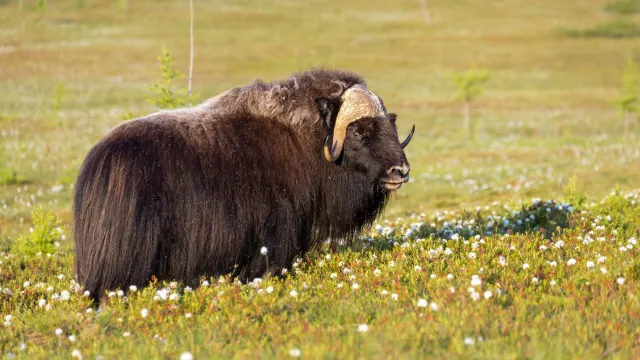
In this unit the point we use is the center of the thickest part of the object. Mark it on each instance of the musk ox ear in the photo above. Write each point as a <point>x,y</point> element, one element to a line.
<point>392,117</point>
<point>327,109</point>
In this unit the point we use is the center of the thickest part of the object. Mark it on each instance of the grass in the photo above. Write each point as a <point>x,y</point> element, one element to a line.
<point>71,70</point>
<point>496,284</point>
<point>619,28</point>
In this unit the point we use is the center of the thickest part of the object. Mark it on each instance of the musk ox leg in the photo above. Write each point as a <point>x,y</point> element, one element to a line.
<point>285,237</point>
<point>118,227</point>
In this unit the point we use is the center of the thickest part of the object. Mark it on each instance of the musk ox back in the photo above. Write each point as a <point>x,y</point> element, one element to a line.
<point>197,192</point>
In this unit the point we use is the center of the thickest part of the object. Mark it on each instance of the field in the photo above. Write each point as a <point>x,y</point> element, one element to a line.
<point>517,240</point>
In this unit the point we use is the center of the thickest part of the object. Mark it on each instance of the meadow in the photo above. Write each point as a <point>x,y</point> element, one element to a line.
<point>515,240</point>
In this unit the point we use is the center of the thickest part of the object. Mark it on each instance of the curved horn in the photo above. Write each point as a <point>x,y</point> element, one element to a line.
<point>408,139</point>
<point>357,102</point>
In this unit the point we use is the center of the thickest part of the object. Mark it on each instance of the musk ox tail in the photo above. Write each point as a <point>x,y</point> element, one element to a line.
<point>117,223</point>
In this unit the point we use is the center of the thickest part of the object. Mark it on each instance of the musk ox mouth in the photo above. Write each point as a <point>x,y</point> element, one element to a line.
<point>394,184</point>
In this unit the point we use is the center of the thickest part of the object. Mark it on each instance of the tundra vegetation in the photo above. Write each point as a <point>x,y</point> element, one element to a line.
<point>521,242</point>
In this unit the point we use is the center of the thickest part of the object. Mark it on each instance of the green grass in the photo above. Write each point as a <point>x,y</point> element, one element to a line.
<point>567,295</point>
<point>70,70</point>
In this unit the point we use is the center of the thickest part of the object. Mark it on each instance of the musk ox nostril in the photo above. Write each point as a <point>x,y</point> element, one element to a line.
<point>401,170</point>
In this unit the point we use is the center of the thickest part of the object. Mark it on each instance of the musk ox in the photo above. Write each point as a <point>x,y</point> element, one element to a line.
<point>183,194</point>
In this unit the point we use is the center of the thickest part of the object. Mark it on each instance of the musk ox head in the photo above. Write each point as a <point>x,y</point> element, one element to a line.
<point>363,137</point>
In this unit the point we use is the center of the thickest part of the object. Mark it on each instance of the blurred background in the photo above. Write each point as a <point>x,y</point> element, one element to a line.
<point>511,99</point>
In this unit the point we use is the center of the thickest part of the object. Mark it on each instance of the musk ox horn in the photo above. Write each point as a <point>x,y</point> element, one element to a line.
<point>408,139</point>
<point>357,102</point>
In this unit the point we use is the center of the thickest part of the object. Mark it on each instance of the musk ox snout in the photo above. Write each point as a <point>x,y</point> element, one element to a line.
<point>396,176</point>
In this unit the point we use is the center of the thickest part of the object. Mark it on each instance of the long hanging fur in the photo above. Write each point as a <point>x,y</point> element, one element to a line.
<point>197,192</point>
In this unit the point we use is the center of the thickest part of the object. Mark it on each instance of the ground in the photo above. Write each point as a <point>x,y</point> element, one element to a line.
<point>71,70</point>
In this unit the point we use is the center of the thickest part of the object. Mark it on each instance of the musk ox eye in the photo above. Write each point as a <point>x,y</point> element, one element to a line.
<point>356,134</point>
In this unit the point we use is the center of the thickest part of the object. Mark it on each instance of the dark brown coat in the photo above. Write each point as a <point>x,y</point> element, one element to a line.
<point>197,192</point>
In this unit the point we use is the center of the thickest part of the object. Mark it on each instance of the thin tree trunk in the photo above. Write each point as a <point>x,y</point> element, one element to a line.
<point>191,58</point>
<point>425,12</point>
<point>466,121</point>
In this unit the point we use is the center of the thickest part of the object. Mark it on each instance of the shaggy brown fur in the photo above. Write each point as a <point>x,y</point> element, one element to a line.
<point>197,192</point>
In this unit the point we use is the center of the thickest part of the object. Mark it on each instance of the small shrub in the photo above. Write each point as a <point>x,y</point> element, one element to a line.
<point>620,28</point>
<point>165,96</point>
<point>573,196</point>
<point>623,6</point>
<point>10,177</point>
<point>43,237</point>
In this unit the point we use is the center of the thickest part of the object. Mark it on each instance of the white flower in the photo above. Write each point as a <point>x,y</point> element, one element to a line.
<point>552,283</point>
<point>603,270</point>
<point>162,294</point>
<point>620,280</point>
<point>448,251</point>
<point>72,338</point>
<point>376,272</point>
<point>559,244</point>
<point>188,315</point>
<point>189,289</point>
<point>502,261</point>
<point>417,268</point>
<point>269,289</point>
<point>133,288</point>
<point>475,296</point>
<point>434,306</point>
<point>23,346</point>
<point>76,353</point>
<point>488,294</point>
<point>144,313</point>
<point>363,328</point>
<point>355,286</point>
<point>525,266</point>
<point>58,331</point>
<point>264,250</point>
<point>173,296</point>
<point>571,262</point>
<point>205,283</point>
<point>42,302</point>
<point>26,284</point>
<point>623,249</point>
<point>384,292</point>
<point>422,303</point>
<point>60,277</point>
<point>295,352</point>
<point>534,280</point>
<point>394,296</point>
<point>86,293</point>
<point>602,259</point>
<point>112,294</point>
<point>293,293</point>
<point>543,248</point>
<point>433,276</point>
<point>553,263</point>
<point>333,275</point>
<point>475,280</point>
<point>590,264</point>
<point>469,341</point>
<point>186,356</point>
<point>120,293</point>
<point>472,255</point>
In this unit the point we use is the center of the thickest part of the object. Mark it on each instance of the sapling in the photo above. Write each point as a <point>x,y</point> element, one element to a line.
<point>470,85</point>
<point>166,97</point>
<point>628,101</point>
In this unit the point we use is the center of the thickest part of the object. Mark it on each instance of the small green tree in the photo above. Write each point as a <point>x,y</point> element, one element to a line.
<point>628,101</point>
<point>43,237</point>
<point>165,97</point>
<point>470,85</point>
